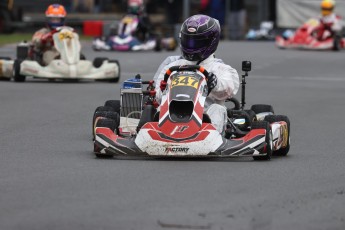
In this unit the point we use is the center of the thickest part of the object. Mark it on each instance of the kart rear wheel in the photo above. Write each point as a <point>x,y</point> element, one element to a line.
<point>262,108</point>
<point>118,78</point>
<point>16,71</point>
<point>268,140</point>
<point>115,104</point>
<point>98,61</point>
<point>275,118</point>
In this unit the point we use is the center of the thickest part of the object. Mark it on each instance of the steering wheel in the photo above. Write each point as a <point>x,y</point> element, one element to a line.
<point>236,103</point>
<point>185,68</point>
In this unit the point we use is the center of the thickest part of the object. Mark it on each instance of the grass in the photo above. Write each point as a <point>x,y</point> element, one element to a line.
<point>14,38</point>
<point>19,37</point>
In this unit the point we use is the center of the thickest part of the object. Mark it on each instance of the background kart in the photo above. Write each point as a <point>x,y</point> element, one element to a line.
<point>125,40</point>
<point>69,64</point>
<point>304,38</point>
<point>180,128</point>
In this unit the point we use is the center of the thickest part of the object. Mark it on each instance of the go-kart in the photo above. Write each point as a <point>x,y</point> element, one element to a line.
<point>305,38</point>
<point>132,126</point>
<point>125,40</point>
<point>68,63</point>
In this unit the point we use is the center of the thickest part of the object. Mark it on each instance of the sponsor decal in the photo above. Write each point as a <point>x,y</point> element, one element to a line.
<point>30,70</point>
<point>175,149</point>
<point>179,129</point>
<point>185,81</point>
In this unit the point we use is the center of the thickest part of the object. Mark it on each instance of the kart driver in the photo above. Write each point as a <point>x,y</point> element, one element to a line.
<point>199,38</point>
<point>136,7</point>
<point>42,41</point>
<point>329,22</point>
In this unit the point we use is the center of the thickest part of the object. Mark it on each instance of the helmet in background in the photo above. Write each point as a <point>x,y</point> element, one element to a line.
<point>327,7</point>
<point>55,15</point>
<point>199,37</point>
<point>135,6</point>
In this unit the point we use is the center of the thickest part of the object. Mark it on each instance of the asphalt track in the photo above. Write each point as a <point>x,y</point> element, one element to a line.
<point>50,179</point>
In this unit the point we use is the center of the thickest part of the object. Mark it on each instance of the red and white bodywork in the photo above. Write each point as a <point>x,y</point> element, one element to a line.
<point>182,129</point>
<point>305,38</point>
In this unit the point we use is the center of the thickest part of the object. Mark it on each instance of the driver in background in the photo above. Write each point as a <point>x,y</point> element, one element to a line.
<point>144,29</point>
<point>330,22</point>
<point>199,38</point>
<point>42,41</point>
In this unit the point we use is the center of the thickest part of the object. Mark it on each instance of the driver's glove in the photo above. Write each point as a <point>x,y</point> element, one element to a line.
<point>211,81</point>
<point>163,85</point>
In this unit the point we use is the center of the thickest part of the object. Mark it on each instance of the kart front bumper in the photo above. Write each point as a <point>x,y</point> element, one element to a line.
<point>107,143</point>
<point>58,69</point>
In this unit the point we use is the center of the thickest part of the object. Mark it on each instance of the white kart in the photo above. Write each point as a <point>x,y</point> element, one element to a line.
<point>66,63</point>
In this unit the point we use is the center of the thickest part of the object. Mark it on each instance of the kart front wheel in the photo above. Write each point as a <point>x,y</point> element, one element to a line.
<point>103,113</point>
<point>106,123</point>
<point>262,108</point>
<point>146,116</point>
<point>16,71</point>
<point>276,118</point>
<point>268,139</point>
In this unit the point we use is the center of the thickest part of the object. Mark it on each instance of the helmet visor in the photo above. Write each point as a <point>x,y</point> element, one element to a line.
<point>192,42</point>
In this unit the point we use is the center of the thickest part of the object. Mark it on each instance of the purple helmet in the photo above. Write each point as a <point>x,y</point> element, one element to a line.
<point>199,37</point>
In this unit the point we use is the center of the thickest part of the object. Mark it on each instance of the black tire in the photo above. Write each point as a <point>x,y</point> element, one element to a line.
<point>107,123</point>
<point>158,46</point>
<point>104,114</point>
<point>5,58</point>
<point>262,108</point>
<point>251,114</point>
<point>118,64</point>
<point>16,71</point>
<point>98,62</point>
<point>234,101</point>
<point>264,125</point>
<point>115,104</point>
<point>146,116</point>
<point>336,43</point>
<point>274,118</point>
<point>5,79</point>
<point>22,52</point>
<point>82,57</point>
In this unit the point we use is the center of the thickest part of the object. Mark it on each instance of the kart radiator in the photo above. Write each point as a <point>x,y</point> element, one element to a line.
<point>131,102</point>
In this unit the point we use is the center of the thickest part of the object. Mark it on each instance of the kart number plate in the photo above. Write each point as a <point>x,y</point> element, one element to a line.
<point>185,81</point>
<point>127,20</point>
<point>65,35</point>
